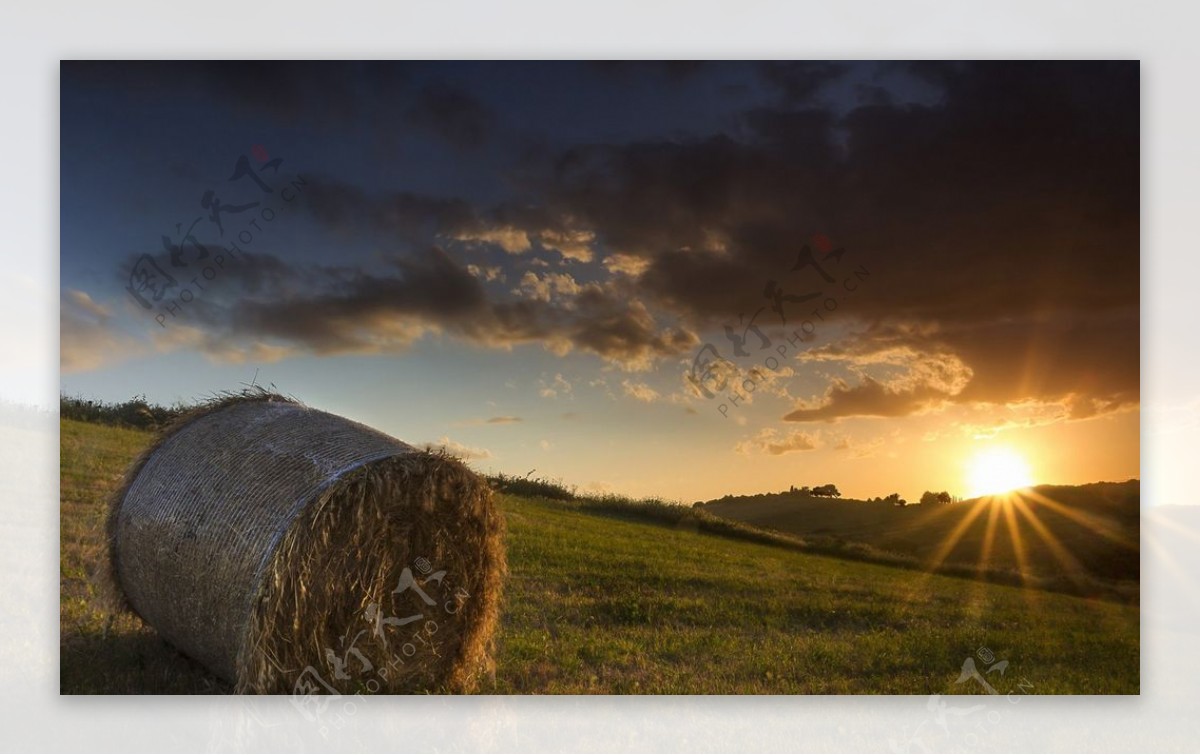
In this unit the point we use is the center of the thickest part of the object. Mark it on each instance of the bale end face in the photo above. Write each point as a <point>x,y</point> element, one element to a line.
<point>392,578</point>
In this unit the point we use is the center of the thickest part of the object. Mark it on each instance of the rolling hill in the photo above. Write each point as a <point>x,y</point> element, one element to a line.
<point>1089,531</point>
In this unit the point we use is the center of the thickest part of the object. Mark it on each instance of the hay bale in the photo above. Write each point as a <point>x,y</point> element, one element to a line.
<point>286,548</point>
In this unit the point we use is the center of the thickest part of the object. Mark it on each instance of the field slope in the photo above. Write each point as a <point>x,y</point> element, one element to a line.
<point>608,603</point>
<point>1086,530</point>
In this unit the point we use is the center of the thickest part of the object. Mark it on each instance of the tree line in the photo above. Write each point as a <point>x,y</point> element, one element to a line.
<point>829,490</point>
<point>820,491</point>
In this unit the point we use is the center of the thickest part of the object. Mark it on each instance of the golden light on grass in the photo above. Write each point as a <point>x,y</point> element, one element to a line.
<point>997,470</point>
<point>989,538</point>
<point>951,540</point>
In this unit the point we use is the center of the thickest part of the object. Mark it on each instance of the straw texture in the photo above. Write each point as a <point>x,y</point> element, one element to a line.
<point>273,542</point>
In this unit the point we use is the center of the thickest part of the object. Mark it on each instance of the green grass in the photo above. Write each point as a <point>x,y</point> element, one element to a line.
<point>100,652</point>
<point>604,599</point>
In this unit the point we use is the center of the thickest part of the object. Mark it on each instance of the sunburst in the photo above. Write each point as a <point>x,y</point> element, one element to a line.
<point>998,470</point>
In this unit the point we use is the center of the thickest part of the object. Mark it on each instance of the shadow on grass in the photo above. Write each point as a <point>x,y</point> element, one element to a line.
<point>130,663</point>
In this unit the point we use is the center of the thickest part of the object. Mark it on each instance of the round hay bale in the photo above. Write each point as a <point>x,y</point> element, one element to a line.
<point>293,551</point>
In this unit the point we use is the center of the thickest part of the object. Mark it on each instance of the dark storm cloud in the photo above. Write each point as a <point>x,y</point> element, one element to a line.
<point>871,94</point>
<point>870,398</point>
<point>1090,365</point>
<point>332,310</point>
<point>246,275</point>
<point>315,92</point>
<point>1000,225</point>
<point>1092,356</point>
<point>431,288</point>
<point>609,326</point>
<point>450,113</point>
<point>1006,215</point>
<point>287,90</point>
<point>406,215</point>
<point>423,219</point>
<point>673,70</point>
<point>799,81</point>
<point>714,197</point>
<point>380,95</point>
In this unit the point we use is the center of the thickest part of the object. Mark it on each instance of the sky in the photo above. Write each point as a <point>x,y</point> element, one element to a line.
<point>674,279</point>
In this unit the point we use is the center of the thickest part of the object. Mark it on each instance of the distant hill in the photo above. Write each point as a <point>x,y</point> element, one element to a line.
<point>1060,529</point>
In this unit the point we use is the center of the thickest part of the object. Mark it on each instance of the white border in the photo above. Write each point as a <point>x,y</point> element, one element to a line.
<point>34,37</point>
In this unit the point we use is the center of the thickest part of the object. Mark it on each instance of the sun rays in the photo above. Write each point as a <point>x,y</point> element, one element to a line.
<point>1036,525</point>
<point>1025,532</point>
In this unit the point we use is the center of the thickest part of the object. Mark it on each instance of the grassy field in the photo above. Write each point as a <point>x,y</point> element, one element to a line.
<point>604,601</point>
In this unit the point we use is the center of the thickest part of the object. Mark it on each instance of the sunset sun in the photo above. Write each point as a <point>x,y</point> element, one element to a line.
<point>997,470</point>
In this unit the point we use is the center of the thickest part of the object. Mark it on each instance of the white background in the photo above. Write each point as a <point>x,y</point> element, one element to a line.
<point>33,38</point>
